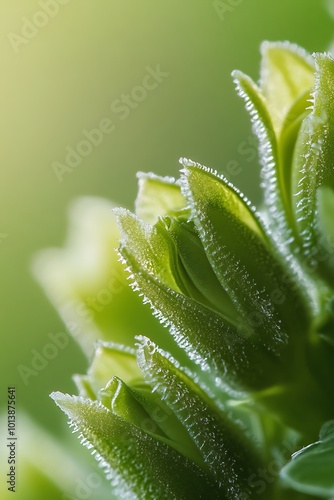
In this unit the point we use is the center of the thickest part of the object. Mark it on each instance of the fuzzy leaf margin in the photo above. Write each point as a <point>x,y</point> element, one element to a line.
<point>138,465</point>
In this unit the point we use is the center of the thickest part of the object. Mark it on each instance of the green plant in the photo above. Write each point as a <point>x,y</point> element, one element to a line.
<point>238,374</point>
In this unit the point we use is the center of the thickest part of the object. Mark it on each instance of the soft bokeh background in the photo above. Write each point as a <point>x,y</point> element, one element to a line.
<point>63,79</point>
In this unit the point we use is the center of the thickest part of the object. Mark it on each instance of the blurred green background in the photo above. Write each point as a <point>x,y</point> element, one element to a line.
<point>62,77</point>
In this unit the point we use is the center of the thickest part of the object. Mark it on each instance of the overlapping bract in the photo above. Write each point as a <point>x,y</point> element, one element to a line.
<point>247,303</point>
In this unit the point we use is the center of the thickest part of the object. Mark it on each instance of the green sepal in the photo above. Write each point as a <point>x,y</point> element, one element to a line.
<point>223,448</point>
<point>314,151</point>
<point>172,252</point>
<point>325,211</point>
<point>323,108</point>
<point>243,258</point>
<point>164,419</point>
<point>275,196</point>
<point>324,228</point>
<point>134,461</point>
<point>206,288</point>
<point>132,401</point>
<point>120,399</point>
<point>159,287</point>
<point>312,169</point>
<point>306,166</point>
<point>151,247</point>
<point>227,353</point>
<point>286,147</point>
<point>144,409</point>
<point>277,108</point>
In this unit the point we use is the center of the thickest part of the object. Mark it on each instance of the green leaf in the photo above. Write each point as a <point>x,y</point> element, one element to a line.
<point>203,285</point>
<point>242,257</point>
<point>120,399</point>
<point>172,252</point>
<point>151,248</point>
<point>287,72</point>
<point>311,469</point>
<point>219,353</point>
<point>276,198</point>
<point>132,400</point>
<point>325,227</point>
<point>145,409</point>
<point>286,148</point>
<point>323,108</point>
<point>313,157</point>
<point>325,211</point>
<point>133,460</point>
<point>220,443</point>
<point>157,196</point>
<point>312,167</point>
<point>277,109</point>
<point>249,308</point>
<point>306,164</point>
<point>227,353</point>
